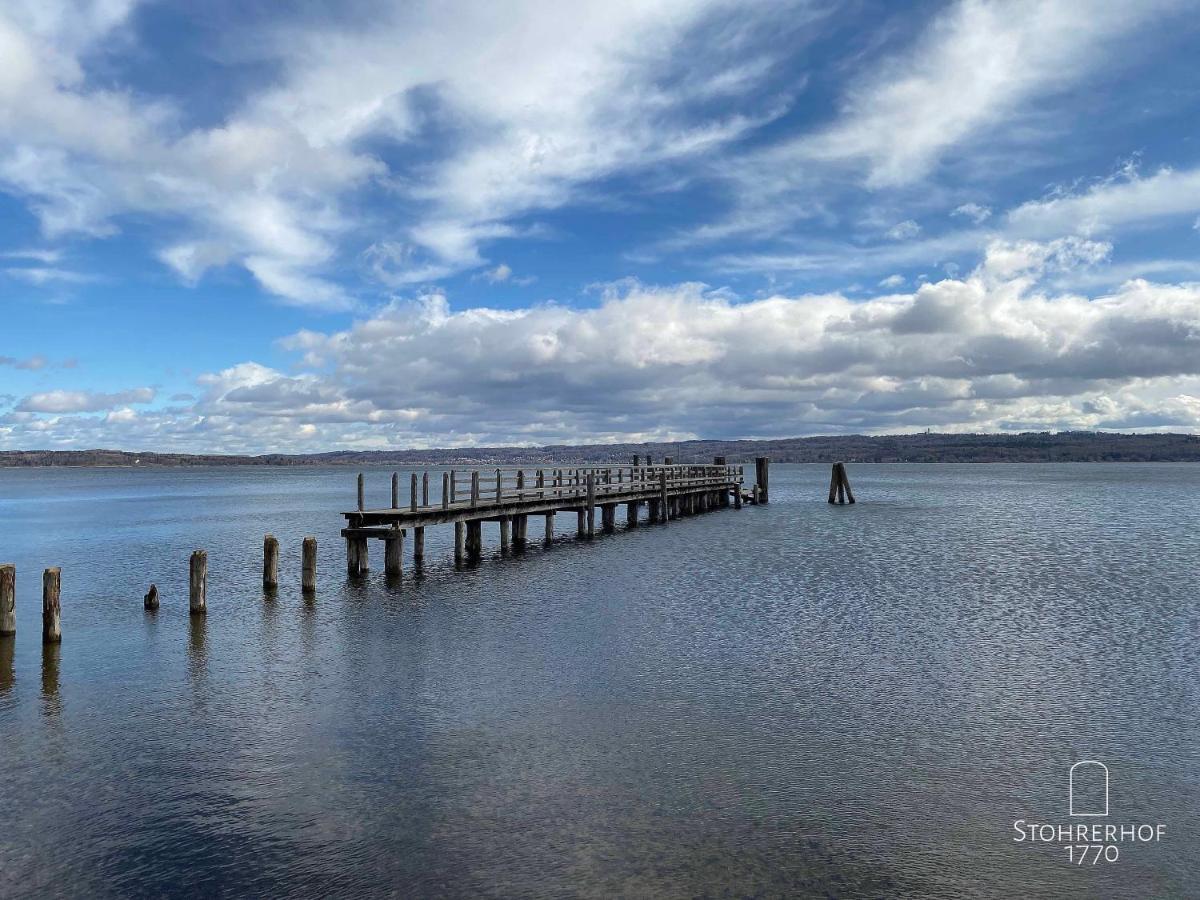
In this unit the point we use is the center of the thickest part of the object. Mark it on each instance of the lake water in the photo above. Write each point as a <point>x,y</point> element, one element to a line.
<point>793,699</point>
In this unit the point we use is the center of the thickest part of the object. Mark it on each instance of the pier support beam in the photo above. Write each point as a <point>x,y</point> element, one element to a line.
<point>51,610</point>
<point>549,527</point>
<point>197,583</point>
<point>631,514</point>
<point>460,542</point>
<point>474,539</point>
<point>591,505</point>
<point>608,517</point>
<point>418,545</point>
<point>357,562</point>
<point>270,562</point>
<point>737,496</point>
<point>505,528</point>
<point>520,532</point>
<point>652,506</point>
<point>393,553</point>
<point>580,523</point>
<point>308,568</point>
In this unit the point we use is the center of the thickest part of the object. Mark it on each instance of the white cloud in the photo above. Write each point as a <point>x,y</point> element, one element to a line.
<point>892,281</point>
<point>1108,204</point>
<point>903,231</point>
<point>60,401</point>
<point>973,211</point>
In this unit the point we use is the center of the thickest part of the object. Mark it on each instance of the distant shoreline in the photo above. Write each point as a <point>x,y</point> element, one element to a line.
<point>1026,447</point>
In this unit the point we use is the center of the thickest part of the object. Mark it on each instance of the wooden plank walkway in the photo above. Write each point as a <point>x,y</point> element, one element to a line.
<point>509,496</point>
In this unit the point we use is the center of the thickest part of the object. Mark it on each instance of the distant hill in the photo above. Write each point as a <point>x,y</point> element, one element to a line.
<point>1072,446</point>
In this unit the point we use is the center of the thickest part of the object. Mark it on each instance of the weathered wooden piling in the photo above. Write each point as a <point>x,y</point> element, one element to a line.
<point>505,532</point>
<point>308,565</point>
<point>8,599</point>
<point>520,527</point>
<point>393,553</point>
<point>637,460</point>
<point>631,514</point>
<point>549,528</point>
<point>474,539</point>
<point>580,523</point>
<point>718,460</point>
<point>198,583</point>
<point>424,488</point>
<point>412,492</point>
<point>474,488</point>
<point>445,490</point>
<point>662,500</point>
<point>762,465</point>
<point>839,485</point>
<point>608,517</point>
<point>395,490</point>
<point>150,599</point>
<point>361,492</point>
<point>418,544</point>
<point>270,562</point>
<point>668,460</point>
<point>357,561</point>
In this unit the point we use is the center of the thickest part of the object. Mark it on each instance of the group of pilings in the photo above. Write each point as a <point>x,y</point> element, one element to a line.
<point>51,603</point>
<point>839,485</point>
<point>511,497</point>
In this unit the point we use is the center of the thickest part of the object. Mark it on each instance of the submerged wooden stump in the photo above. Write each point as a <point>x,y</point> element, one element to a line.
<point>393,553</point>
<point>51,610</point>
<point>150,600</point>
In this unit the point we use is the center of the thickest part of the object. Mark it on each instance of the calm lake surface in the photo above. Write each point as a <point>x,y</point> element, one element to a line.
<point>793,699</point>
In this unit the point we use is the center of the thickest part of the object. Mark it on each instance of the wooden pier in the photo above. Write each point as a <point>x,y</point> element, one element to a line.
<point>509,496</point>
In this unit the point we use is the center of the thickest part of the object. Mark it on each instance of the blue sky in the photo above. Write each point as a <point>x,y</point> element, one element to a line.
<point>255,226</point>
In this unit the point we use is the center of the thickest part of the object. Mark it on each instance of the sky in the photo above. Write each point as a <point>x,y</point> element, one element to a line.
<point>243,226</point>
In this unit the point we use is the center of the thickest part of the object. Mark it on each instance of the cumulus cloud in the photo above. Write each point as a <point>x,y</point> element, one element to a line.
<point>974,211</point>
<point>892,281</point>
<point>60,401</point>
<point>686,361</point>
<point>903,231</point>
<point>33,363</point>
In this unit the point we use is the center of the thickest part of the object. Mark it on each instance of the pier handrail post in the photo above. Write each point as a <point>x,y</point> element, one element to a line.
<point>412,492</point>
<point>445,490</point>
<point>499,486</point>
<point>475,488</point>
<point>424,488</point>
<point>395,490</point>
<point>662,500</point>
<point>360,490</point>
<point>453,487</point>
<point>520,484</point>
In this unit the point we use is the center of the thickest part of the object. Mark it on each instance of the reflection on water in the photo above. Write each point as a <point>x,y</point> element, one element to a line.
<point>51,703</point>
<point>790,700</point>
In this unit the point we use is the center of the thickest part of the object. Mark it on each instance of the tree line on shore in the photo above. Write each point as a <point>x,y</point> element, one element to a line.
<point>1071,446</point>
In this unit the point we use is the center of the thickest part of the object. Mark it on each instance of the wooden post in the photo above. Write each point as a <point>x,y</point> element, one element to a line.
<point>412,493</point>
<point>270,562</point>
<point>637,460</point>
<point>652,512</point>
<point>453,487</point>
<point>549,527</point>
<point>475,488</point>
<point>718,460</point>
<point>8,599</point>
<point>357,561</point>
<point>846,482</point>
<point>520,524</point>
<point>591,504</point>
<point>833,484</point>
<point>51,610</point>
<point>361,495</point>
<point>424,488</point>
<point>608,517</point>
<point>662,500</point>
<point>460,536</point>
<point>393,553</point>
<point>474,539</point>
<point>761,470</point>
<point>839,484</point>
<point>580,523</point>
<point>737,495</point>
<point>419,544</point>
<point>668,460</point>
<point>445,490</point>
<point>505,528</point>
<point>150,599</point>
<point>308,566</point>
<point>499,486</point>
<point>395,490</point>
<point>631,513</point>
<point>198,583</point>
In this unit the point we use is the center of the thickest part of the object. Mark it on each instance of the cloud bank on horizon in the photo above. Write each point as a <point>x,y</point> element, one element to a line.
<point>245,228</point>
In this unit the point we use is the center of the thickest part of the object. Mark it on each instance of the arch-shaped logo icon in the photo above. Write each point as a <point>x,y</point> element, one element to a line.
<point>1088,794</point>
